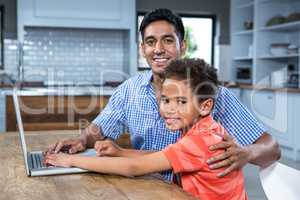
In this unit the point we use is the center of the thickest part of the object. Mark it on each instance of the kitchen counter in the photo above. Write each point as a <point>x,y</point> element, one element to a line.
<point>15,184</point>
<point>62,91</point>
<point>253,87</point>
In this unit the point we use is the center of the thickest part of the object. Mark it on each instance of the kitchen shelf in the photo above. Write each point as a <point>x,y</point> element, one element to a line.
<point>246,5</point>
<point>244,32</point>
<point>273,1</point>
<point>292,26</point>
<point>279,56</point>
<point>242,58</point>
<point>259,40</point>
<point>265,1</point>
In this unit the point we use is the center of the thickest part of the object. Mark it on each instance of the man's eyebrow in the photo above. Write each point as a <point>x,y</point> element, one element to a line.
<point>168,35</point>
<point>163,36</point>
<point>149,37</point>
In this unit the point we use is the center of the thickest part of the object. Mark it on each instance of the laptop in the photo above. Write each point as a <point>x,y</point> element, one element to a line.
<point>34,165</point>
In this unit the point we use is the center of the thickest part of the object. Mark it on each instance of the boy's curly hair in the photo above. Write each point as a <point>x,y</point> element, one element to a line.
<point>201,77</point>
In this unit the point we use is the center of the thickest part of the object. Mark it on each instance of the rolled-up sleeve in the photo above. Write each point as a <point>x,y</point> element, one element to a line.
<point>236,118</point>
<point>111,120</point>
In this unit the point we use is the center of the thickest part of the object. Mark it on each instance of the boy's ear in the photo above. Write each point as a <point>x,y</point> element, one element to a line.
<point>205,107</point>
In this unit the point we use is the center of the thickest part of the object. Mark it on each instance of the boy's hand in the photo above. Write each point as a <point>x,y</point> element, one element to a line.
<point>61,159</point>
<point>233,158</point>
<point>107,148</point>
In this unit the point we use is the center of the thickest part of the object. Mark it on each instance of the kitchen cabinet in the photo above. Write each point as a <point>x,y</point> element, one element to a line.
<point>54,112</point>
<point>253,39</point>
<point>235,91</point>
<point>278,111</point>
<point>49,24</point>
<point>295,125</point>
<point>2,111</point>
<point>110,14</point>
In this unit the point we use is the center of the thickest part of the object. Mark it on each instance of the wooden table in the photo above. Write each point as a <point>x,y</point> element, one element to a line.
<point>15,185</point>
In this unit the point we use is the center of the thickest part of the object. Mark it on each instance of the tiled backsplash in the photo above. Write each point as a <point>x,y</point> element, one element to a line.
<point>11,57</point>
<point>70,56</point>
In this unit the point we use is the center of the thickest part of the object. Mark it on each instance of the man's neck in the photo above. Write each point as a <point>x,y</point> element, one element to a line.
<point>156,83</point>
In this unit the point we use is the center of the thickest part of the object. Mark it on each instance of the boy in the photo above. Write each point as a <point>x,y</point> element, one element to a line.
<point>186,100</point>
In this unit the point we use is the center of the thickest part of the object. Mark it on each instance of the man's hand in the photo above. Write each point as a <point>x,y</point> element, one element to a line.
<point>235,157</point>
<point>61,159</point>
<point>70,146</point>
<point>107,148</point>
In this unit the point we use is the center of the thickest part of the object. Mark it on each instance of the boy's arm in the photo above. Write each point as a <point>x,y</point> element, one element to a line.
<point>125,166</point>
<point>134,153</point>
<point>110,148</point>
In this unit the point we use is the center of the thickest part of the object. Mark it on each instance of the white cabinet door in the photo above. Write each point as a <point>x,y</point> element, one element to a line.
<point>273,109</point>
<point>81,13</point>
<point>236,92</point>
<point>245,96</point>
<point>294,109</point>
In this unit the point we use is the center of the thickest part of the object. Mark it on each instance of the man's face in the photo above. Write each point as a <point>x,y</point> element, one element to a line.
<point>161,45</point>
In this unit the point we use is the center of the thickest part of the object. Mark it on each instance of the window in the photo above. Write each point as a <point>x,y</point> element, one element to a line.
<point>199,34</point>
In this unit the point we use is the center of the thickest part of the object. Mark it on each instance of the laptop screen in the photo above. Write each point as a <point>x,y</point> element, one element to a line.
<point>20,127</point>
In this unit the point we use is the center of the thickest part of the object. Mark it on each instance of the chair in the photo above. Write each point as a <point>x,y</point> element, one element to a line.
<point>280,182</point>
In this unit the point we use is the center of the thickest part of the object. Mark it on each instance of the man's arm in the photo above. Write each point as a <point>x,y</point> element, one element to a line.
<point>251,142</point>
<point>110,119</point>
<point>87,139</point>
<point>262,152</point>
<point>90,135</point>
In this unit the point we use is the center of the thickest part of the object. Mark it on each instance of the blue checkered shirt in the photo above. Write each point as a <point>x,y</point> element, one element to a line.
<point>133,107</point>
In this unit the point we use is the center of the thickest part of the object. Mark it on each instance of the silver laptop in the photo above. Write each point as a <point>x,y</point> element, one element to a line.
<point>33,160</point>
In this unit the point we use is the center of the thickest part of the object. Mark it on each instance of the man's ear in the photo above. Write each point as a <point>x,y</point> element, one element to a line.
<point>183,47</point>
<point>205,107</point>
<point>142,49</point>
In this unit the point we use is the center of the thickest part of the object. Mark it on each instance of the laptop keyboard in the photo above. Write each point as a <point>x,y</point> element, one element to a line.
<point>37,161</point>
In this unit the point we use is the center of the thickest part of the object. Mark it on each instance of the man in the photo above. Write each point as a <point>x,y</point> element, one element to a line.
<point>134,106</point>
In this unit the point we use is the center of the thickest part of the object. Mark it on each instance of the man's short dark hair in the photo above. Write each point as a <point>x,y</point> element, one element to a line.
<point>201,77</point>
<point>166,15</point>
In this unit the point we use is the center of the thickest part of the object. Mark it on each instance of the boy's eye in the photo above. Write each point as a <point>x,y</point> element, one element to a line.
<point>181,101</point>
<point>164,100</point>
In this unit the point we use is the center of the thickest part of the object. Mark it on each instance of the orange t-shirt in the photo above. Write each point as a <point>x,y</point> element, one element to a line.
<point>189,155</point>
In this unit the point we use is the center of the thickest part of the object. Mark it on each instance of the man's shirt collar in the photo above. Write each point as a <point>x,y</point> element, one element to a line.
<point>148,78</point>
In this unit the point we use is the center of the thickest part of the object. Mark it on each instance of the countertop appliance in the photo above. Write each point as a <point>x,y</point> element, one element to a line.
<point>243,75</point>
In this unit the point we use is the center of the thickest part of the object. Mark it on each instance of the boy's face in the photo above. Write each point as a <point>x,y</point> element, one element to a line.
<point>161,45</point>
<point>178,105</point>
